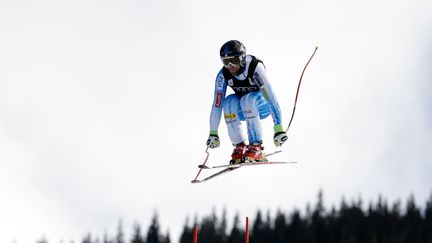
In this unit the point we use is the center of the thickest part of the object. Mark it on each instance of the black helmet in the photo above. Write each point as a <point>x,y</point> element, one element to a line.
<point>233,49</point>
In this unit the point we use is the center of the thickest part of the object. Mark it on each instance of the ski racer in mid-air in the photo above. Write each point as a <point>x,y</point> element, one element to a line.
<point>253,100</point>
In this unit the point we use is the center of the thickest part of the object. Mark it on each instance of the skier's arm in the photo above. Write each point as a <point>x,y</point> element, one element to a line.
<point>262,81</point>
<point>218,98</point>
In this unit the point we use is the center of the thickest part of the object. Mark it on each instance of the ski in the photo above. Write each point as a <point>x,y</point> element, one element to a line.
<point>245,164</point>
<point>226,170</point>
<point>203,166</point>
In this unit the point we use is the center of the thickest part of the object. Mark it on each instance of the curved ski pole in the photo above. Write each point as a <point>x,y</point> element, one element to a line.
<point>298,88</point>
<point>203,164</point>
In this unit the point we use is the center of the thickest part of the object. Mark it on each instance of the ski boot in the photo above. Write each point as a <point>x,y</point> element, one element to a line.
<point>237,154</point>
<point>254,153</point>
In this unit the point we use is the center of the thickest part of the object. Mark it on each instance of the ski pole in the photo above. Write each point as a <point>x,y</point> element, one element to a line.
<point>298,89</point>
<point>201,167</point>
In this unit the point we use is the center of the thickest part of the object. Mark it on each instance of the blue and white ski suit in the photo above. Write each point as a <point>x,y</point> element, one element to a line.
<point>253,99</point>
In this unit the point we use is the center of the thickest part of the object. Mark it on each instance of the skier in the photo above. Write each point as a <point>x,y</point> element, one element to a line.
<point>253,99</point>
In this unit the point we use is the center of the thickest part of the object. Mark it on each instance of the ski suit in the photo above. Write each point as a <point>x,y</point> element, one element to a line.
<point>253,99</point>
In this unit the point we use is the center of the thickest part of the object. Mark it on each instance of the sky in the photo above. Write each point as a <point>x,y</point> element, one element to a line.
<point>104,109</point>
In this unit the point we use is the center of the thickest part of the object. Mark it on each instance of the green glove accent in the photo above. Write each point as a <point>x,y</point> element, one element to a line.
<point>214,132</point>
<point>278,128</point>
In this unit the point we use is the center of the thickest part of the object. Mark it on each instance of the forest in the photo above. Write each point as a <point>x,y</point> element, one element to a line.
<point>350,222</point>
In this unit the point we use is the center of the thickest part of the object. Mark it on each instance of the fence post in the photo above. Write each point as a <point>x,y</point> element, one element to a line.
<point>247,230</point>
<point>195,234</point>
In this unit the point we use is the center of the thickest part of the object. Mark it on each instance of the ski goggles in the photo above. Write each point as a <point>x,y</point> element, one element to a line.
<point>233,60</point>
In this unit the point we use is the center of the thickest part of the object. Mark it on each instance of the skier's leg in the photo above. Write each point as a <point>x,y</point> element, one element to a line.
<point>254,107</point>
<point>233,116</point>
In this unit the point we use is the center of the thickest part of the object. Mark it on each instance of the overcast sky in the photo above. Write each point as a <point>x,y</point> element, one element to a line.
<point>104,109</point>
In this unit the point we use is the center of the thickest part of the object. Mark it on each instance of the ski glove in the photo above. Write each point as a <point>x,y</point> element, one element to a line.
<point>280,136</point>
<point>213,140</point>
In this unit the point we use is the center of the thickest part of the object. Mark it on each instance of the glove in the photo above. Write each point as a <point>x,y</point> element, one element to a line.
<point>280,136</point>
<point>213,140</point>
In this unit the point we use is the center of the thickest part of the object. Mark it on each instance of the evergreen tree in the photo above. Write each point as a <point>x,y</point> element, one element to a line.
<point>87,239</point>
<point>352,222</point>
<point>120,235</point>
<point>297,229</point>
<point>106,238</point>
<point>412,223</point>
<point>257,229</point>
<point>137,235</point>
<point>209,232</point>
<point>262,229</point>
<point>167,238</point>
<point>333,225</point>
<point>222,227</point>
<point>427,224</point>
<point>236,235</point>
<point>376,220</point>
<point>153,234</point>
<point>187,233</point>
<point>280,228</point>
<point>318,227</point>
<point>394,221</point>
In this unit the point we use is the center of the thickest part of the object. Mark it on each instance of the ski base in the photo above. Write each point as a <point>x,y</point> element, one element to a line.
<point>226,170</point>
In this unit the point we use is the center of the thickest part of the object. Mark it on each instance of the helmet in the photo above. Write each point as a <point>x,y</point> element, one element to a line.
<point>233,50</point>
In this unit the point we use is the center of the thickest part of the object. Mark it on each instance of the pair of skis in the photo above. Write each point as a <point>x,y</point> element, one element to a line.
<point>231,167</point>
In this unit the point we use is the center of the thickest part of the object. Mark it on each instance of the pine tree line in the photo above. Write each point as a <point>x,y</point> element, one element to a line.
<point>350,223</point>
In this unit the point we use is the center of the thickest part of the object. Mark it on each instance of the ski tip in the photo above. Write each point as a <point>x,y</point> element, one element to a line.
<point>195,181</point>
<point>203,166</point>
